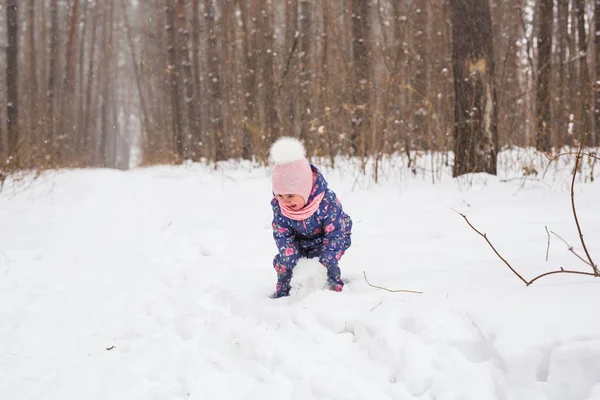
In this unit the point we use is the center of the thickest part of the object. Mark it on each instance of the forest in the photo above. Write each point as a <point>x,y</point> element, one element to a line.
<point>85,82</point>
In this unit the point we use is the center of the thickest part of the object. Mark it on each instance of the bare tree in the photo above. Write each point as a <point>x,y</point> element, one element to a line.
<point>78,139</point>
<point>69,82</point>
<point>68,119</point>
<point>189,132</point>
<point>268,69</point>
<point>196,117</point>
<point>305,73</point>
<point>584,79</point>
<point>290,71</point>
<point>53,75</point>
<point>146,121</point>
<point>215,98</point>
<point>561,115</point>
<point>86,137</point>
<point>32,71</point>
<point>439,80</point>
<point>249,123</point>
<point>544,72</point>
<point>324,108</point>
<point>104,150</point>
<point>573,76</point>
<point>422,111</point>
<point>596,136</point>
<point>398,78</point>
<point>475,109</point>
<point>362,80</point>
<point>12,80</point>
<point>173,72</point>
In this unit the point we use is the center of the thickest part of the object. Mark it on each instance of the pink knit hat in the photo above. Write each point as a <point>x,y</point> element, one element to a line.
<point>291,173</point>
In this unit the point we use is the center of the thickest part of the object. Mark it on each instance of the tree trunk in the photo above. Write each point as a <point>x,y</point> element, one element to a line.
<point>86,134</point>
<point>268,65</point>
<point>362,76</point>
<point>12,80</point>
<point>70,63</point>
<point>305,75</point>
<point>196,117</point>
<point>584,78</point>
<point>53,75</point>
<point>291,69</point>
<point>43,63</point>
<point>544,72</point>
<point>102,148</point>
<point>32,75</point>
<point>136,68</point>
<point>572,98</point>
<point>214,84</point>
<point>475,109</point>
<point>324,107</point>
<point>421,116</point>
<point>249,81</point>
<point>185,75</point>
<point>562,104</point>
<point>173,72</point>
<point>68,127</point>
<point>508,36</point>
<point>81,85</point>
<point>596,137</point>
<point>398,92</point>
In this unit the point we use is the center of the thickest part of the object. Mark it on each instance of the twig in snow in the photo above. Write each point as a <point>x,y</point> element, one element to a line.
<point>523,179</point>
<point>547,248</point>
<point>570,248</point>
<point>377,305</point>
<point>389,290</point>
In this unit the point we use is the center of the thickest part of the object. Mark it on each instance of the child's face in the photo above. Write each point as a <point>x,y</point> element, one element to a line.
<point>292,201</point>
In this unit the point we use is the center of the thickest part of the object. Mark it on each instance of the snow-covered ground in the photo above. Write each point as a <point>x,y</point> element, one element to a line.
<point>153,284</point>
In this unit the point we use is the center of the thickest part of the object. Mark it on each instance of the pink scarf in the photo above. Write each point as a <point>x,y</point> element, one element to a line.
<point>306,212</point>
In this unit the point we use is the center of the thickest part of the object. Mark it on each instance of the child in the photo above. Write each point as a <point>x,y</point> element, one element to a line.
<point>308,220</point>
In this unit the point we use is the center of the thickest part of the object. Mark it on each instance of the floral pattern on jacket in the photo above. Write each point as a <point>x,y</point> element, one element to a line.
<point>326,234</point>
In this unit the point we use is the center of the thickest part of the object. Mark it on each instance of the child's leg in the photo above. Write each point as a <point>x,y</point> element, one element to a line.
<point>334,275</point>
<point>333,270</point>
<point>329,261</point>
<point>284,276</point>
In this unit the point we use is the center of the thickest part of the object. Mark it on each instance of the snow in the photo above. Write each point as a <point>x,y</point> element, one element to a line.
<point>153,283</point>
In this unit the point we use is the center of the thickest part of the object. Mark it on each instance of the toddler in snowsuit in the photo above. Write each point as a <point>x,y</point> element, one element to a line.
<point>308,219</point>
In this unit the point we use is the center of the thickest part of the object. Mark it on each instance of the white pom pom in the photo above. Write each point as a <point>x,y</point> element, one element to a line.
<point>287,150</point>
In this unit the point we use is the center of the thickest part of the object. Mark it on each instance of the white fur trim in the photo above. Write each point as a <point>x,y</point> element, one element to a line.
<point>286,150</point>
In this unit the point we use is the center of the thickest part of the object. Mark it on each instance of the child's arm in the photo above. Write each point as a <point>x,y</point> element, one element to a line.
<point>289,253</point>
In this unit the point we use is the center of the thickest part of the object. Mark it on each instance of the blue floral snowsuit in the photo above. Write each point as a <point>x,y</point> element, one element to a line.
<point>325,234</point>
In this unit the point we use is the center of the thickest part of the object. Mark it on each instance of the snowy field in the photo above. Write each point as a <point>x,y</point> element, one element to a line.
<point>153,284</point>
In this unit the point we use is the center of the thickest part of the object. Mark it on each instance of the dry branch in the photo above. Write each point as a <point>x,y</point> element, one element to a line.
<point>526,282</point>
<point>577,158</point>
<point>483,235</point>
<point>570,153</point>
